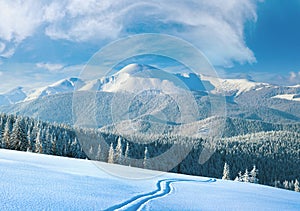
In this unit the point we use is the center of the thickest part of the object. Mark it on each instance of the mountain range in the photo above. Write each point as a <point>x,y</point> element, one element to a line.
<point>152,93</point>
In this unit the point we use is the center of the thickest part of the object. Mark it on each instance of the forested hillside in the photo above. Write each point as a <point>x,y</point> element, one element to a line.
<point>27,134</point>
<point>275,153</point>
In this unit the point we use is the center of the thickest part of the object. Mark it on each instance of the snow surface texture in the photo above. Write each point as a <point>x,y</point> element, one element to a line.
<point>42,182</point>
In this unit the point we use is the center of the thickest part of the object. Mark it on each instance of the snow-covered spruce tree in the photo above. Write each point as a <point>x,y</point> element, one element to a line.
<point>246,176</point>
<point>29,146</point>
<point>126,161</point>
<point>291,185</point>
<point>226,172</point>
<point>6,133</point>
<point>38,148</point>
<point>1,129</point>
<point>53,146</point>
<point>239,177</point>
<point>118,152</point>
<point>35,130</point>
<point>110,158</point>
<point>75,149</point>
<point>18,138</point>
<point>296,186</point>
<point>48,143</point>
<point>91,153</point>
<point>286,184</point>
<point>98,154</point>
<point>253,175</point>
<point>146,157</point>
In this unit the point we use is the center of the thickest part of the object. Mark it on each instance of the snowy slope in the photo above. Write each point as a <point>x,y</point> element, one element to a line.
<point>294,97</point>
<point>233,86</point>
<point>4,100</point>
<point>38,182</point>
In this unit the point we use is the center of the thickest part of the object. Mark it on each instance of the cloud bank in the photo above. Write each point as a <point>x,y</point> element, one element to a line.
<point>216,27</point>
<point>50,66</point>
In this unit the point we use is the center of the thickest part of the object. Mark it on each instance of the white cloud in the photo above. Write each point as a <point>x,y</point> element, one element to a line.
<point>8,53</point>
<point>50,66</point>
<point>27,76</point>
<point>19,20</point>
<point>2,47</point>
<point>215,27</point>
<point>82,20</point>
<point>294,77</point>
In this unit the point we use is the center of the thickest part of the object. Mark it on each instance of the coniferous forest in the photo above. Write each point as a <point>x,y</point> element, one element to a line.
<point>265,157</point>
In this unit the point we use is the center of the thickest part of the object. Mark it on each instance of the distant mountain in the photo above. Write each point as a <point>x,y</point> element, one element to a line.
<point>234,86</point>
<point>62,86</point>
<point>4,101</point>
<point>14,96</point>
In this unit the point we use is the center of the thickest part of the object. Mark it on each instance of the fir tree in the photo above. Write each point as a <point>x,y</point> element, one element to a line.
<point>126,160</point>
<point>111,154</point>
<point>296,185</point>
<point>286,184</point>
<point>98,155</point>
<point>226,172</point>
<point>253,175</point>
<point>6,133</point>
<point>145,161</point>
<point>118,152</point>
<point>53,146</point>
<point>38,148</point>
<point>246,176</point>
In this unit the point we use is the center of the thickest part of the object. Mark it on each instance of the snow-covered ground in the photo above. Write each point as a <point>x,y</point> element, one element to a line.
<point>40,182</point>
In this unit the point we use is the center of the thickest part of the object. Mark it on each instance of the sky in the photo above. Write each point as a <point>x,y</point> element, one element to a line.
<point>45,41</point>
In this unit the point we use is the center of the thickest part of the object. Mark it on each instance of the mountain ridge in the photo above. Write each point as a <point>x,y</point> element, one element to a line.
<point>132,74</point>
<point>244,99</point>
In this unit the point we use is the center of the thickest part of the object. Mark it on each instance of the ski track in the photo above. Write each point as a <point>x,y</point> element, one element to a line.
<point>163,188</point>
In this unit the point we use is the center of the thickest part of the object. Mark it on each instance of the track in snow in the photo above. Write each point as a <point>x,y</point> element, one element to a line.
<point>163,189</point>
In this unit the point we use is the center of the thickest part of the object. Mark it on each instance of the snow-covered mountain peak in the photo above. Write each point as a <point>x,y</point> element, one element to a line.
<point>62,86</point>
<point>135,68</point>
<point>69,82</point>
<point>233,86</point>
<point>135,78</point>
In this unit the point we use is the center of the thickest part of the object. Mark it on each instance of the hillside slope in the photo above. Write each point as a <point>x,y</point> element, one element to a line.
<point>37,182</point>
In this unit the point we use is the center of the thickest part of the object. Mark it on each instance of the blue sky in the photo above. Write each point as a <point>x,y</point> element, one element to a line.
<point>275,40</point>
<point>44,41</point>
